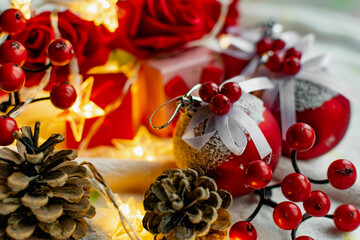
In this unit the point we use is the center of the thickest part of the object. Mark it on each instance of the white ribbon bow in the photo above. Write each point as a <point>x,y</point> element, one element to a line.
<point>313,70</point>
<point>230,127</point>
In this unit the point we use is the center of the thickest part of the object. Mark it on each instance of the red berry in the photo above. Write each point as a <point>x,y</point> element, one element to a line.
<point>13,52</point>
<point>232,90</point>
<point>63,96</point>
<point>60,52</point>
<point>208,90</point>
<point>317,204</point>
<point>287,215</point>
<point>300,136</point>
<point>277,45</point>
<point>257,174</point>
<point>12,77</point>
<point>7,126</point>
<point>304,238</point>
<point>291,66</point>
<point>341,174</point>
<point>296,187</point>
<point>263,45</point>
<point>220,104</point>
<point>12,21</point>
<point>242,230</point>
<point>347,218</point>
<point>275,63</point>
<point>293,52</point>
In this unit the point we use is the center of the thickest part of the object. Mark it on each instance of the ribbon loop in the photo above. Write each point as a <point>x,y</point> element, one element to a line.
<point>318,62</point>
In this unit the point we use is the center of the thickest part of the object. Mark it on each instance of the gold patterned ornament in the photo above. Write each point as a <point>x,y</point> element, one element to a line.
<point>186,205</point>
<point>82,109</point>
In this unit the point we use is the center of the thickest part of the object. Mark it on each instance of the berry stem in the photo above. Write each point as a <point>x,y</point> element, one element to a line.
<point>305,217</point>
<point>17,98</point>
<point>297,169</point>
<point>273,186</point>
<point>259,206</point>
<point>40,99</point>
<point>37,70</point>
<point>265,194</point>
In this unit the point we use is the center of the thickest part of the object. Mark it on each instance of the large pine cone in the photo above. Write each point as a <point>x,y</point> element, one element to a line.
<point>186,205</point>
<point>43,194</point>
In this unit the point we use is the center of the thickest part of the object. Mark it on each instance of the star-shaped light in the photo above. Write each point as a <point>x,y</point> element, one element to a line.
<point>134,212</point>
<point>23,6</point>
<point>82,109</point>
<point>98,11</point>
<point>144,146</point>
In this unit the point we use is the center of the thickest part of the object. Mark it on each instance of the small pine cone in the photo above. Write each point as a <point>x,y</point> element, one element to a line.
<point>43,194</point>
<point>186,205</point>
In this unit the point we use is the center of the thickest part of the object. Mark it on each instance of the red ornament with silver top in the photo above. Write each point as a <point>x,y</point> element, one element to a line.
<point>227,132</point>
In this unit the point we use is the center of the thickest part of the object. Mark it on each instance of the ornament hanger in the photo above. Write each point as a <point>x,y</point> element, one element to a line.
<point>187,102</point>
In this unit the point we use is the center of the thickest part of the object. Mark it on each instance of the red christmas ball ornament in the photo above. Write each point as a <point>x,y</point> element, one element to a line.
<point>341,174</point>
<point>7,126</point>
<point>12,77</point>
<point>12,51</point>
<point>296,187</point>
<point>258,174</point>
<point>300,136</point>
<point>60,52</point>
<point>317,204</point>
<point>63,96</point>
<point>217,160</point>
<point>287,215</point>
<point>242,230</point>
<point>208,90</point>
<point>12,21</point>
<point>232,90</point>
<point>347,218</point>
<point>220,104</point>
<point>326,111</point>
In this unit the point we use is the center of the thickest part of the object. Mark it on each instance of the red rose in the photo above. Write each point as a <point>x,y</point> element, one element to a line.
<point>147,27</point>
<point>87,39</point>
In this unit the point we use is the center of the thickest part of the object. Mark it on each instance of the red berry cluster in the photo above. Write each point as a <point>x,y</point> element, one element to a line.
<point>296,187</point>
<point>13,56</point>
<point>288,63</point>
<point>220,101</point>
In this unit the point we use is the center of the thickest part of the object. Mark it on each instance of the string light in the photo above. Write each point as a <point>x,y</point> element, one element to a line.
<point>134,212</point>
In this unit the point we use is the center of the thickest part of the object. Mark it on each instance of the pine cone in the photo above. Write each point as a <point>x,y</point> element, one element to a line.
<point>186,205</point>
<point>43,194</point>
